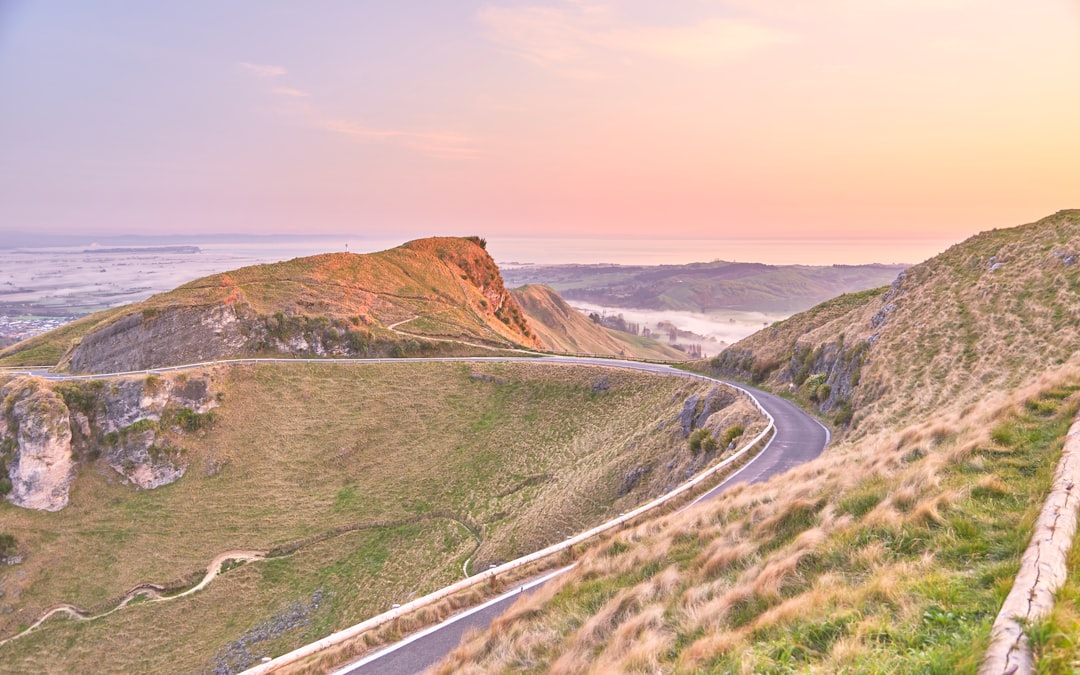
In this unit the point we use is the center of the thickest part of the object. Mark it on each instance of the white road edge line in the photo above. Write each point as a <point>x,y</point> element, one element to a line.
<point>655,368</point>
<point>451,620</point>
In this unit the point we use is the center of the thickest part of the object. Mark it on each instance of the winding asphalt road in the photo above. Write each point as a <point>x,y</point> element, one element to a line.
<point>798,439</point>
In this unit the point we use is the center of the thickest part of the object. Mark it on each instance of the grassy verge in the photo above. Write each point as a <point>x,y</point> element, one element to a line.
<point>47,348</point>
<point>880,560</point>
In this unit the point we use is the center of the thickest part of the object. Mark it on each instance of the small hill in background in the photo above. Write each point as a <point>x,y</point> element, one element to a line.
<point>704,287</point>
<point>562,328</point>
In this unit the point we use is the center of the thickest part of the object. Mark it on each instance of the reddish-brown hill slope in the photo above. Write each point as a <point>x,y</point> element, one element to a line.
<point>431,294</point>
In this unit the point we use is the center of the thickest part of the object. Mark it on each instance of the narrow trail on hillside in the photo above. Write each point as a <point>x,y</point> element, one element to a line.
<point>151,592</point>
<point>158,593</point>
<point>394,328</point>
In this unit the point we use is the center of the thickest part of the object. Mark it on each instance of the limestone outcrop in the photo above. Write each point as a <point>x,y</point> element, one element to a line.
<point>135,425</point>
<point>36,429</point>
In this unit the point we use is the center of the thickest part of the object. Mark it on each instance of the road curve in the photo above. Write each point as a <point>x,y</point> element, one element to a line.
<point>799,438</point>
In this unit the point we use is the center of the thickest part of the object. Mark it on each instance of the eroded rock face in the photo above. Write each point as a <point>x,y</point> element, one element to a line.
<point>42,466</point>
<point>135,424</point>
<point>138,448</point>
<point>145,460</point>
<point>176,335</point>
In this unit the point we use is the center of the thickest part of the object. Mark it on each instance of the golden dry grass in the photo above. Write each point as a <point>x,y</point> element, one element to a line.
<point>422,458</point>
<point>978,320</point>
<point>887,554</point>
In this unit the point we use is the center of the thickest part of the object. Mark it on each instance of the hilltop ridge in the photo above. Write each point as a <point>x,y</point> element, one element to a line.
<point>704,287</point>
<point>427,296</point>
<point>985,315</point>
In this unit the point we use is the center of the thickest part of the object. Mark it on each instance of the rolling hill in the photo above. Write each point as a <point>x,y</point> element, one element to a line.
<point>704,287</point>
<point>562,328</point>
<point>893,551</point>
<point>330,491</point>
<point>437,296</point>
<point>984,316</point>
<point>433,295</point>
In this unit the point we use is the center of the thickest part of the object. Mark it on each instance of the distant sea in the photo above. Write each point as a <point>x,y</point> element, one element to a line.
<point>556,251</point>
<point>247,249</point>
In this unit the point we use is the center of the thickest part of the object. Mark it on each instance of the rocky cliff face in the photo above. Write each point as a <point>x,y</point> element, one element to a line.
<point>36,433</point>
<point>150,338</point>
<point>475,266</point>
<point>135,425</point>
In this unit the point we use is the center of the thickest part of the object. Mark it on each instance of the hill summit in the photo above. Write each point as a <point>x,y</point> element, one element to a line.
<point>984,316</point>
<point>425,296</point>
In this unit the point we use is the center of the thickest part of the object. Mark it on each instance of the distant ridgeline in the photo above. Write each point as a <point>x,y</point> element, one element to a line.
<point>137,250</point>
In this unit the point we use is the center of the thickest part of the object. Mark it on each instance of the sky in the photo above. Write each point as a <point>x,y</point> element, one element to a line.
<point>676,120</point>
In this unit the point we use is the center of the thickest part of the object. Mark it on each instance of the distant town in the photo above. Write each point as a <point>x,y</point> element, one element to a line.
<point>13,329</point>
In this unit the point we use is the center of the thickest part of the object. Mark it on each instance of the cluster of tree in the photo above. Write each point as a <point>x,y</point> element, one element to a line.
<point>691,348</point>
<point>619,323</point>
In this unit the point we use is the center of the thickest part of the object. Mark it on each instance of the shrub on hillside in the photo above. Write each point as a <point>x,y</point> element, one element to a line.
<point>731,435</point>
<point>702,440</point>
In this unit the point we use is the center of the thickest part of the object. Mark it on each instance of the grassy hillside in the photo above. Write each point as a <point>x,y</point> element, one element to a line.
<point>367,484</point>
<point>562,328</point>
<point>451,282</point>
<point>427,296</point>
<point>893,551</point>
<point>704,287</point>
<point>986,315</point>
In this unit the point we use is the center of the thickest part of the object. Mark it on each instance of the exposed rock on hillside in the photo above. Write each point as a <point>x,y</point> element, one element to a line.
<point>142,340</point>
<point>418,297</point>
<point>988,312</point>
<point>35,430</point>
<point>134,424</point>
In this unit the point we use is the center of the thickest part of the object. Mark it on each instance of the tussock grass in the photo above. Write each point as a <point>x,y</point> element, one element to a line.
<point>983,317</point>
<point>376,497</point>
<point>888,554</point>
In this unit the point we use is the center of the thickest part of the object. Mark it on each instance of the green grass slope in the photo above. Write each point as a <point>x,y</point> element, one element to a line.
<point>985,315</point>
<point>368,484</point>
<point>893,551</point>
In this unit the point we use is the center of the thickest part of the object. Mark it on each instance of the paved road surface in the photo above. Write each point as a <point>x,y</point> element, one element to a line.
<point>799,438</point>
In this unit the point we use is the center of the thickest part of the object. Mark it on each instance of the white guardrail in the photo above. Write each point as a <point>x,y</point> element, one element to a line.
<point>359,629</point>
<point>355,631</point>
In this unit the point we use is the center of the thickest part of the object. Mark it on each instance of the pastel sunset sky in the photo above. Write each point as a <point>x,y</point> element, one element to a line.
<point>694,119</point>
